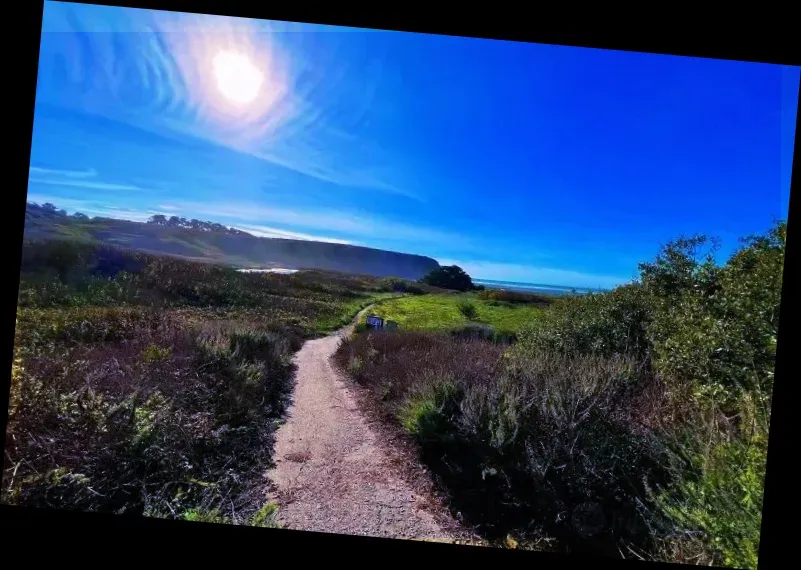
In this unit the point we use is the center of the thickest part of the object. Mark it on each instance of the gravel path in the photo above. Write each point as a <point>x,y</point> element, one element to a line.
<point>333,473</point>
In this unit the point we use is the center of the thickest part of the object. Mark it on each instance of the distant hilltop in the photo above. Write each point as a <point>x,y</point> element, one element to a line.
<point>213,242</point>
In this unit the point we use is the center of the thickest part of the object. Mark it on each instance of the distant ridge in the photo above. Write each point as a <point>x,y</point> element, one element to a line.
<point>211,242</point>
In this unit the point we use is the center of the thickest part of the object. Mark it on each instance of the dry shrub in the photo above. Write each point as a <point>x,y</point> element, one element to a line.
<point>523,441</point>
<point>394,363</point>
<point>128,411</point>
<point>505,296</point>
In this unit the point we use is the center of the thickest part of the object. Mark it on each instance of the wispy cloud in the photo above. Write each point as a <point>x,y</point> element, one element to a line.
<point>85,184</point>
<point>347,224</point>
<point>306,118</point>
<point>270,232</point>
<point>70,174</point>
<point>535,274</point>
<point>75,179</point>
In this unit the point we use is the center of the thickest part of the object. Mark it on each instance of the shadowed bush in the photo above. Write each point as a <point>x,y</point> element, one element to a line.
<point>485,332</point>
<point>521,439</point>
<point>505,296</point>
<point>122,424</point>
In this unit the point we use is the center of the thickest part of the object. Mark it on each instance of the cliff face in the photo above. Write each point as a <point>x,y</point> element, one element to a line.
<point>241,250</point>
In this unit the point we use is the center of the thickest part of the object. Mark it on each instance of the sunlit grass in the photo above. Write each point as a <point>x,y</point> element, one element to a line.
<point>441,312</point>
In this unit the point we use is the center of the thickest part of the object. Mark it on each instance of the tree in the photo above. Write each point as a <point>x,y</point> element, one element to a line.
<point>158,219</point>
<point>174,221</point>
<point>449,277</point>
<point>682,264</point>
<point>80,216</point>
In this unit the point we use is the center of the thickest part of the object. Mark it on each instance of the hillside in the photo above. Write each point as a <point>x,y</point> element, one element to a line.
<point>205,241</point>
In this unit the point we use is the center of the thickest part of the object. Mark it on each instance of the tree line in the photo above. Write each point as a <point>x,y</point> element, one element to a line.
<point>194,224</point>
<point>49,210</point>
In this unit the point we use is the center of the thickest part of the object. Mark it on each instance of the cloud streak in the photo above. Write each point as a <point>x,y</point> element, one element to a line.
<point>324,220</point>
<point>305,119</point>
<point>270,232</point>
<point>75,179</point>
<point>36,170</point>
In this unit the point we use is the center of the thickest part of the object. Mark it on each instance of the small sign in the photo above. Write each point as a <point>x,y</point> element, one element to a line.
<point>391,325</point>
<point>375,322</point>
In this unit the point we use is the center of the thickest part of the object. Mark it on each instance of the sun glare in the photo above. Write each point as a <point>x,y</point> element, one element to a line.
<point>237,78</point>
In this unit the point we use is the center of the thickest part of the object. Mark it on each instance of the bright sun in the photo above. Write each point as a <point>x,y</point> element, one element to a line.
<point>237,78</point>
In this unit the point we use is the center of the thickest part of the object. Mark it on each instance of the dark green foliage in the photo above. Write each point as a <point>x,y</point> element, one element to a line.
<point>176,222</point>
<point>607,323</point>
<point>485,332</point>
<point>475,330</point>
<point>467,309</point>
<point>722,332</point>
<point>710,332</point>
<point>449,277</point>
<point>415,290</point>
<point>682,265</point>
<point>725,501</point>
<point>393,285</point>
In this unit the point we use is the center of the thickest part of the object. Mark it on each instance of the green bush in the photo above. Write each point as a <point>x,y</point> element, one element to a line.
<point>710,332</point>
<point>721,332</point>
<point>266,516</point>
<point>475,330</point>
<point>206,516</point>
<point>426,414</point>
<point>724,501</point>
<point>449,277</point>
<point>513,297</point>
<point>467,309</point>
<point>604,324</point>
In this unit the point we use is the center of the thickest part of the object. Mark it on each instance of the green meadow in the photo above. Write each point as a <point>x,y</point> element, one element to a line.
<point>450,311</point>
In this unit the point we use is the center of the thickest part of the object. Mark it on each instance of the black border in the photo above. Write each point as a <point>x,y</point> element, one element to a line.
<point>720,38</point>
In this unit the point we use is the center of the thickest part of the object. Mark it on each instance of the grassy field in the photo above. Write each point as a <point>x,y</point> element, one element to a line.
<point>445,312</point>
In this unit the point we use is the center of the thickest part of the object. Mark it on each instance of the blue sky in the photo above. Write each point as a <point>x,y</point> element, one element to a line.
<point>520,162</point>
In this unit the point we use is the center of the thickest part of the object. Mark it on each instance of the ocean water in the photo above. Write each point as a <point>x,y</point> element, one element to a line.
<point>535,287</point>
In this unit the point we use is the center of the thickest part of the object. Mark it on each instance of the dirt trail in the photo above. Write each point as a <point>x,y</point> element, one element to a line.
<point>332,473</point>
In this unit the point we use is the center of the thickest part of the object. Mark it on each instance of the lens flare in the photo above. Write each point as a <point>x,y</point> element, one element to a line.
<point>237,78</point>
